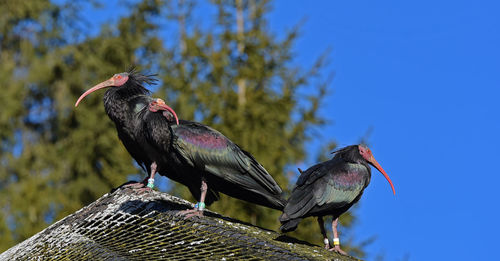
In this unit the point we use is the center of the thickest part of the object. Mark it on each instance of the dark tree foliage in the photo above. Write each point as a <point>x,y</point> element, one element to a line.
<point>236,77</point>
<point>225,69</point>
<point>55,159</point>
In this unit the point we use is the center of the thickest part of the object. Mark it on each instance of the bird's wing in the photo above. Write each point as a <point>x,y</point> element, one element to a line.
<point>338,192</point>
<point>157,133</point>
<point>207,149</point>
<point>311,174</point>
<point>323,184</point>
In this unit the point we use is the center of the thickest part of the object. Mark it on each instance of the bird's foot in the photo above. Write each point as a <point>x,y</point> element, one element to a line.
<point>190,213</point>
<point>142,190</point>
<point>325,240</point>
<point>135,185</point>
<point>338,250</point>
<point>139,187</point>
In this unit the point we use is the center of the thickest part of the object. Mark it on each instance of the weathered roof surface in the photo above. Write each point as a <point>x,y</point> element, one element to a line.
<point>125,225</point>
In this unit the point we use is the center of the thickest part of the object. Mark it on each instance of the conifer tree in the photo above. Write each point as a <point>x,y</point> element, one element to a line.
<point>56,160</point>
<point>226,70</point>
<point>235,76</point>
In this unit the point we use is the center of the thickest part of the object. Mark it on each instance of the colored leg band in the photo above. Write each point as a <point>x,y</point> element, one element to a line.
<point>200,206</point>
<point>336,241</point>
<point>151,183</point>
<point>326,241</point>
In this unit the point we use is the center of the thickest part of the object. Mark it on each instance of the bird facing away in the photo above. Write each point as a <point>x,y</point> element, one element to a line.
<point>331,188</point>
<point>184,151</point>
<point>206,155</point>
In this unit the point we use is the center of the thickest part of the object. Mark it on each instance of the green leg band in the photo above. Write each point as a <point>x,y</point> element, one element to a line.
<point>200,206</point>
<point>151,183</point>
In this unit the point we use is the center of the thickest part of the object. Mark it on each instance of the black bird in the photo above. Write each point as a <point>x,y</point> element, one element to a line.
<point>122,105</point>
<point>330,188</point>
<point>206,155</point>
<point>187,152</point>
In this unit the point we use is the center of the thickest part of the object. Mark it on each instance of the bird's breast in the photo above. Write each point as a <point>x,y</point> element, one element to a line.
<point>355,175</point>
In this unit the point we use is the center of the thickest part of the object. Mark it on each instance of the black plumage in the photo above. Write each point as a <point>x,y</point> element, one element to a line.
<point>202,153</point>
<point>187,152</point>
<point>330,188</point>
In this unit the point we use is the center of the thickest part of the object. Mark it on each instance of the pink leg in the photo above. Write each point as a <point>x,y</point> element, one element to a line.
<point>136,185</point>
<point>153,170</point>
<point>336,247</point>
<point>142,186</point>
<point>323,232</point>
<point>198,209</point>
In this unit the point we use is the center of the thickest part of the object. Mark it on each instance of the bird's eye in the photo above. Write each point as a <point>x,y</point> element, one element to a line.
<point>118,77</point>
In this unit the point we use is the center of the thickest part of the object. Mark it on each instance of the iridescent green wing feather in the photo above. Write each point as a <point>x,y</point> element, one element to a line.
<point>207,149</point>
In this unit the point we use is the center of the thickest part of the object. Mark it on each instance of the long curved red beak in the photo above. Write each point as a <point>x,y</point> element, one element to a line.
<point>374,163</point>
<point>108,83</point>
<point>163,106</point>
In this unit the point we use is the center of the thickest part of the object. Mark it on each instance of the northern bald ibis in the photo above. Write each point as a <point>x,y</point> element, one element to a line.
<point>330,188</point>
<point>187,152</point>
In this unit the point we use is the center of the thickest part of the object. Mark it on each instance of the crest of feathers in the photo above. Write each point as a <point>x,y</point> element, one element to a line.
<point>140,79</point>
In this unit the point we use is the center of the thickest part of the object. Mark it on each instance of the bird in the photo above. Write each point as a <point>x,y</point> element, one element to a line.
<point>203,153</point>
<point>331,188</point>
<point>190,153</point>
<point>121,104</point>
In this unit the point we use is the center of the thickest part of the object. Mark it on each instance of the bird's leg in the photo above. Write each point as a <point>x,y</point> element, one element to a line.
<point>323,232</point>
<point>151,180</point>
<point>200,206</point>
<point>336,240</point>
<point>204,189</point>
<point>148,183</point>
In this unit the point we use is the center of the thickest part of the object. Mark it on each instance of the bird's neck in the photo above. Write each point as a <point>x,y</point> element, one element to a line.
<point>359,167</point>
<point>354,174</point>
<point>121,104</point>
<point>360,164</point>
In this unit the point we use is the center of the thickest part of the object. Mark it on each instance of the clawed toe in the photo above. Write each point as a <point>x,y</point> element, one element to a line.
<point>144,189</point>
<point>195,213</point>
<point>136,185</point>
<point>188,213</point>
<point>338,250</point>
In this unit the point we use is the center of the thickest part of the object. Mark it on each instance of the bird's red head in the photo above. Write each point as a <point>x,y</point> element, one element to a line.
<point>118,79</point>
<point>159,105</point>
<point>366,153</point>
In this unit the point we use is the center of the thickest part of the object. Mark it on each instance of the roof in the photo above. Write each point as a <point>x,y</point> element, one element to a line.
<point>126,225</point>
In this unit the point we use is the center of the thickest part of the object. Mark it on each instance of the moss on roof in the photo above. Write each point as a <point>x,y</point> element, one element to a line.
<point>125,225</point>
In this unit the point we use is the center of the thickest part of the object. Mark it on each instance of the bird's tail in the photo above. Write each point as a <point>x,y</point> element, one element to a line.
<point>274,201</point>
<point>287,224</point>
<point>290,225</point>
<point>280,203</point>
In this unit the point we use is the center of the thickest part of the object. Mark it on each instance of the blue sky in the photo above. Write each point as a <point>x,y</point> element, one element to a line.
<point>423,76</point>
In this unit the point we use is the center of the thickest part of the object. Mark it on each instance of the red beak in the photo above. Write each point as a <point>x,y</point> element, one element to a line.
<point>162,106</point>
<point>108,83</point>
<point>374,163</point>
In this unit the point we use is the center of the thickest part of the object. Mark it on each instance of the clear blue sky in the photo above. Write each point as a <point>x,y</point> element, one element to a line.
<point>424,76</point>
